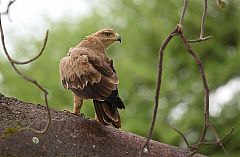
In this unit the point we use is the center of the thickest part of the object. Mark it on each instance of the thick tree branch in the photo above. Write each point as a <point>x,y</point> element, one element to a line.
<point>69,135</point>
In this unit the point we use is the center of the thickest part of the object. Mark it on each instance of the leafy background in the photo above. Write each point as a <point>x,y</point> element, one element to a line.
<point>143,26</point>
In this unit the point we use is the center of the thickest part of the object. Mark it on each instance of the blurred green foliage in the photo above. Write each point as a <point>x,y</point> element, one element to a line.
<point>143,26</point>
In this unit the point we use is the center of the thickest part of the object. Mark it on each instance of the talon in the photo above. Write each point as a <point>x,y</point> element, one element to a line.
<point>67,111</point>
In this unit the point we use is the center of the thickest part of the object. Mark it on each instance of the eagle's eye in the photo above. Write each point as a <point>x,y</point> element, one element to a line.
<point>107,34</point>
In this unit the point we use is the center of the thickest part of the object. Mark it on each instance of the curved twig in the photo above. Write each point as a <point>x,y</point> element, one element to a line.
<point>159,80</point>
<point>38,55</point>
<point>204,80</point>
<point>184,138</point>
<point>13,62</point>
<point>24,62</point>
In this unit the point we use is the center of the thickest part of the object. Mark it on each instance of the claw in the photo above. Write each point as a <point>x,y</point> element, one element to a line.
<point>67,111</point>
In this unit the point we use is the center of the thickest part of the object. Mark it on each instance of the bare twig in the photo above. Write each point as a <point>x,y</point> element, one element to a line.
<point>183,12</point>
<point>34,58</point>
<point>184,138</point>
<point>203,19</point>
<point>200,39</point>
<point>206,104</point>
<point>202,73</point>
<point>159,80</point>
<point>219,139</point>
<point>205,84</point>
<point>10,3</point>
<point>13,62</point>
<point>202,29</point>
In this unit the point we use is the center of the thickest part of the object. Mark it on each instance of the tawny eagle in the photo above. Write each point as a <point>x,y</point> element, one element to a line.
<point>89,74</point>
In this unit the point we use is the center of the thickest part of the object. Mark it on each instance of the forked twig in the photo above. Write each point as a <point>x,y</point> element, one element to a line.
<point>29,79</point>
<point>205,84</point>
<point>202,29</point>
<point>219,139</point>
<point>10,3</point>
<point>179,31</point>
<point>199,39</point>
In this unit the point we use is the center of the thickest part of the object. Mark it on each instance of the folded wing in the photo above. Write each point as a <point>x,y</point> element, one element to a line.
<point>87,75</point>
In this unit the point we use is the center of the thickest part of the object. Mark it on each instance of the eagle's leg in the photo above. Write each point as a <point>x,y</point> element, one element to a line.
<point>77,105</point>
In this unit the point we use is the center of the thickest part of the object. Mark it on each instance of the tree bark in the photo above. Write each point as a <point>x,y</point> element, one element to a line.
<point>69,135</point>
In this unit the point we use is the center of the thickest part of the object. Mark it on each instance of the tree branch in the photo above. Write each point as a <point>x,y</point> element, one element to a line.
<point>69,135</point>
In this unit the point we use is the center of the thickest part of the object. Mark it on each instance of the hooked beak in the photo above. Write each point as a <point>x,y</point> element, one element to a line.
<point>118,37</point>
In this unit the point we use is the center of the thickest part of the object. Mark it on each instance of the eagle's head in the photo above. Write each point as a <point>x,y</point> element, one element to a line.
<point>107,36</point>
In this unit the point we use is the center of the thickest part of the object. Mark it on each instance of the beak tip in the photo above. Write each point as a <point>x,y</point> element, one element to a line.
<point>119,38</point>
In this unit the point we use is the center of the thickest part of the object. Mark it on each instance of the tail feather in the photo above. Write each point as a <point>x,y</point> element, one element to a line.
<point>107,113</point>
<point>101,116</point>
<point>110,112</point>
<point>115,100</point>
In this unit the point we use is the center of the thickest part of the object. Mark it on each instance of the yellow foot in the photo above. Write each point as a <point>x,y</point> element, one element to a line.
<point>78,114</point>
<point>67,111</point>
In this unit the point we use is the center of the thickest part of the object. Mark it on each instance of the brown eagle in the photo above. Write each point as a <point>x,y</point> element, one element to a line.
<point>90,74</point>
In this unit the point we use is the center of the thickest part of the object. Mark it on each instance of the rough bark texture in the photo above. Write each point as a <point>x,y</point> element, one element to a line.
<point>69,135</point>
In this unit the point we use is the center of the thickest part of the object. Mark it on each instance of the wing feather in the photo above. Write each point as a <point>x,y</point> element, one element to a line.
<point>87,74</point>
